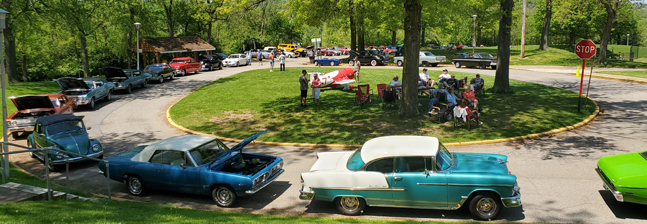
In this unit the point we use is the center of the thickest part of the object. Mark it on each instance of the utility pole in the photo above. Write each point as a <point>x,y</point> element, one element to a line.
<point>523,30</point>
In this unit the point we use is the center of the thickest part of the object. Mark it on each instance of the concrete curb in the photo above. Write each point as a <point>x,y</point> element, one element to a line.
<point>313,145</point>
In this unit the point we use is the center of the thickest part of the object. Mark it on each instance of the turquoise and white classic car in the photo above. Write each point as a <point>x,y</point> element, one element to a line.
<point>412,172</point>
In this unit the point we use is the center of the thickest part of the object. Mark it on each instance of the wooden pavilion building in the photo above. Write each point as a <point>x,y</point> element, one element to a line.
<point>171,45</point>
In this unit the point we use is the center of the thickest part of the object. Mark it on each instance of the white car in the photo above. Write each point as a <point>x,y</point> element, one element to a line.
<point>235,60</point>
<point>290,54</point>
<point>411,172</point>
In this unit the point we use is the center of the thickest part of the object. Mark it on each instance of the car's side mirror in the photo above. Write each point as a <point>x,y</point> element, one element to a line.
<point>182,165</point>
<point>426,173</point>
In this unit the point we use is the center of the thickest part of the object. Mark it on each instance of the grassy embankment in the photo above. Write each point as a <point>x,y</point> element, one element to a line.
<point>243,104</point>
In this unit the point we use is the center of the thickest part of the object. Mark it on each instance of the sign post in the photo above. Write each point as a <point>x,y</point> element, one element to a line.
<point>584,49</point>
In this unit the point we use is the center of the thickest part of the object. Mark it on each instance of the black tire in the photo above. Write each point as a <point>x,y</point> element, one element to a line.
<point>457,64</point>
<point>109,96</point>
<point>145,83</point>
<point>183,73</point>
<point>223,196</point>
<point>482,66</point>
<point>161,79</point>
<point>434,65</point>
<point>351,63</point>
<point>316,63</point>
<point>220,66</point>
<point>15,135</point>
<point>91,105</point>
<point>135,185</point>
<point>289,56</point>
<point>485,206</point>
<point>237,63</point>
<point>373,62</point>
<point>129,89</point>
<point>425,64</point>
<point>400,63</point>
<point>350,205</point>
<point>31,154</point>
<point>332,63</point>
<point>493,67</point>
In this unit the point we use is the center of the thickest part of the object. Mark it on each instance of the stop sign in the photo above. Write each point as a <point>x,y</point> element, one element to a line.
<point>585,49</point>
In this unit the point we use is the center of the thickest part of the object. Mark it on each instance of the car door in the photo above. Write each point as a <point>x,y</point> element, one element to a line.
<point>382,197</point>
<point>422,187</point>
<point>175,171</point>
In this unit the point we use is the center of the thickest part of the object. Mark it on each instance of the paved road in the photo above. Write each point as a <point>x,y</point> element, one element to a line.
<point>555,173</point>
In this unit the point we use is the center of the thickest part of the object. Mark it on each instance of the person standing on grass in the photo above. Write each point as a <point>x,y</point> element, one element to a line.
<point>303,81</point>
<point>260,58</point>
<point>282,62</point>
<point>271,58</point>
<point>316,88</point>
<point>356,69</point>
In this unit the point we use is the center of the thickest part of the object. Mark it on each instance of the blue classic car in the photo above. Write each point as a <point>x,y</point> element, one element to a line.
<point>195,164</point>
<point>327,61</point>
<point>159,72</point>
<point>126,79</point>
<point>412,172</point>
<point>86,91</point>
<point>64,132</point>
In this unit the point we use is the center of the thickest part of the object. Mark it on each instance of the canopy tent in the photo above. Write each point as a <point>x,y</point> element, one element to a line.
<point>171,45</point>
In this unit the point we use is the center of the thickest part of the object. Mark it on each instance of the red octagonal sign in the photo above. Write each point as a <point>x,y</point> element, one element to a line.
<point>585,49</point>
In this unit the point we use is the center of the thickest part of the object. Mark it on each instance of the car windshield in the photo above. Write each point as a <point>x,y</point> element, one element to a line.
<point>91,84</point>
<point>233,56</point>
<point>208,153</point>
<point>444,158</point>
<point>178,61</point>
<point>355,161</point>
<point>484,55</point>
<point>155,68</point>
<point>644,154</point>
<point>428,54</point>
<point>62,127</point>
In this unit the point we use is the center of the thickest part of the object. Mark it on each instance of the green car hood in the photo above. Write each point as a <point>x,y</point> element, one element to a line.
<point>77,142</point>
<point>625,170</point>
<point>480,163</point>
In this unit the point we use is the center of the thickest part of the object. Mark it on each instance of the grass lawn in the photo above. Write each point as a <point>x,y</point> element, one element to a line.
<point>29,88</point>
<point>76,211</point>
<point>243,104</point>
<point>639,74</point>
<point>561,55</point>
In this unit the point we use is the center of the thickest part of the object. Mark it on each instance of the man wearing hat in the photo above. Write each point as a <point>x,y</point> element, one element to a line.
<point>303,82</point>
<point>443,77</point>
<point>424,79</point>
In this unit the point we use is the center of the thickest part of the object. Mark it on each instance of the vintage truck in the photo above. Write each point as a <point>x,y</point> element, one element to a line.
<point>426,59</point>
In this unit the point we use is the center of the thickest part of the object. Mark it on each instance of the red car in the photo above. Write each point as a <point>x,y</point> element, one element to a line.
<point>31,107</point>
<point>344,51</point>
<point>185,65</point>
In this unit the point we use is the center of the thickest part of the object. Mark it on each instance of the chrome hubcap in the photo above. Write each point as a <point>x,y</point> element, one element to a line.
<point>486,206</point>
<point>349,203</point>
<point>223,195</point>
<point>135,185</point>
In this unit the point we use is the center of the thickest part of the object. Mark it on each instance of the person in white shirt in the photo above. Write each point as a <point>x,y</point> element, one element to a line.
<point>395,84</point>
<point>282,62</point>
<point>442,78</point>
<point>424,79</point>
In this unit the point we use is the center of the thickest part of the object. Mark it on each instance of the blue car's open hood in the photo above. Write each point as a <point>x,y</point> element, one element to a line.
<point>242,144</point>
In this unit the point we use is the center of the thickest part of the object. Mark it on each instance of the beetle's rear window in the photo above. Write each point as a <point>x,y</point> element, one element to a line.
<point>644,154</point>
<point>355,161</point>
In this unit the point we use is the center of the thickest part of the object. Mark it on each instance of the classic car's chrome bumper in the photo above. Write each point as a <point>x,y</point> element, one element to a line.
<point>120,87</point>
<point>20,128</point>
<point>267,182</point>
<point>179,72</point>
<point>69,160</point>
<point>81,102</point>
<point>609,186</point>
<point>306,195</point>
<point>229,63</point>
<point>514,201</point>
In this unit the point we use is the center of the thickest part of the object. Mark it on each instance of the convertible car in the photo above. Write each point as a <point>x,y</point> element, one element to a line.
<point>625,176</point>
<point>480,60</point>
<point>327,61</point>
<point>195,164</point>
<point>86,91</point>
<point>64,132</point>
<point>412,172</point>
<point>126,79</point>
<point>31,107</point>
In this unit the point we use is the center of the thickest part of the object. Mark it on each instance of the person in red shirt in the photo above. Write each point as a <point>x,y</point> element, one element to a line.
<point>469,95</point>
<point>316,88</point>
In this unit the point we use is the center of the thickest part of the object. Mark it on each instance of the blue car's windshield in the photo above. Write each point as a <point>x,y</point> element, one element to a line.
<point>355,161</point>
<point>155,68</point>
<point>443,158</point>
<point>208,153</point>
<point>62,127</point>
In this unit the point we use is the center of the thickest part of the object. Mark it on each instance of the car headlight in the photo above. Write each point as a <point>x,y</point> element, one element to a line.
<point>119,85</point>
<point>279,166</point>
<point>96,147</point>
<point>82,98</point>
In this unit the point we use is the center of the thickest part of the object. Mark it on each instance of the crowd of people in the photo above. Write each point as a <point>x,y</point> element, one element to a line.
<point>270,58</point>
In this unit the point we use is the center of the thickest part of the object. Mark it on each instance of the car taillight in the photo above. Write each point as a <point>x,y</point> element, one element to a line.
<point>317,156</point>
<point>301,178</point>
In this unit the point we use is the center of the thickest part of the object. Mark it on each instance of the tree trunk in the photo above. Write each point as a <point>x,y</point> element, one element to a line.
<point>410,77</point>
<point>84,55</point>
<point>10,45</point>
<point>263,20</point>
<point>360,27</point>
<point>393,37</point>
<point>544,32</point>
<point>523,30</point>
<point>209,29</point>
<point>611,6</point>
<point>353,30</point>
<point>169,17</point>
<point>25,75</point>
<point>422,36</point>
<point>502,77</point>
